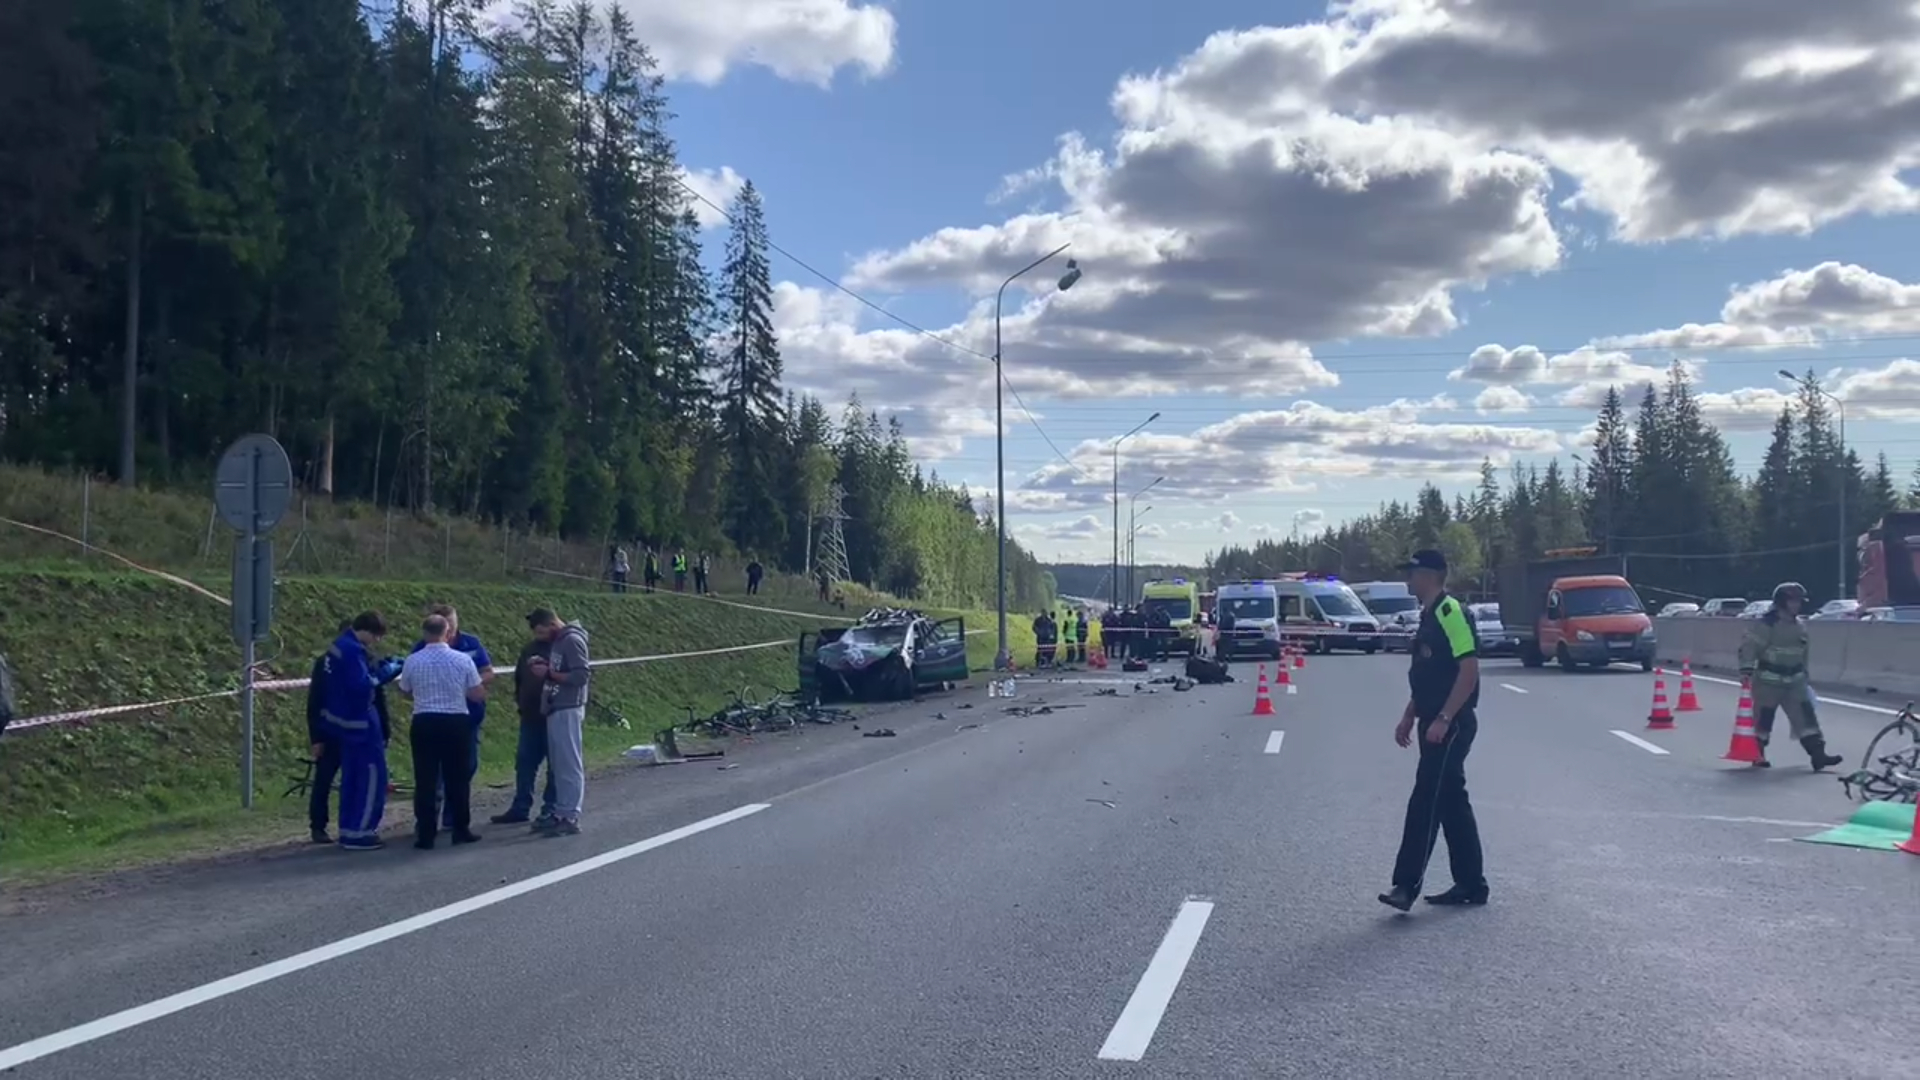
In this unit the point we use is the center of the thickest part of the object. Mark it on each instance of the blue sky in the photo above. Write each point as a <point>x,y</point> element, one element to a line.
<point>1297,229</point>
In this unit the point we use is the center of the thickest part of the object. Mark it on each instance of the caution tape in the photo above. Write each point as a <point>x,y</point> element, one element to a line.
<point>77,716</point>
<point>813,615</point>
<point>84,546</point>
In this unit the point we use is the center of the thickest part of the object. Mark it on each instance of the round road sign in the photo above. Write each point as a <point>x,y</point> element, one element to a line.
<point>254,484</point>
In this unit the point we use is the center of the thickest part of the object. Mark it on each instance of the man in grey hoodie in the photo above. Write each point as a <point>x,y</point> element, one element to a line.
<point>566,673</point>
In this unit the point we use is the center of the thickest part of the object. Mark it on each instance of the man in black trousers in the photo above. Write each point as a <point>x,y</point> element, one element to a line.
<point>1444,680</point>
<point>442,681</point>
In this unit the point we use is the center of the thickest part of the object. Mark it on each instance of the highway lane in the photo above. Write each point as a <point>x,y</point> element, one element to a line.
<point>989,902</point>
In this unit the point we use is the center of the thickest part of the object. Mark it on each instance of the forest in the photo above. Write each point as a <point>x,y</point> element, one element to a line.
<point>1658,486</point>
<point>452,264</point>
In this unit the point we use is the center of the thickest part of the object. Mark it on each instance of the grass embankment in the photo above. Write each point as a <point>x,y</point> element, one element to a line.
<point>164,783</point>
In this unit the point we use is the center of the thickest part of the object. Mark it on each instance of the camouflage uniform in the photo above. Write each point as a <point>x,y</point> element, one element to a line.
<point>1774,656</point>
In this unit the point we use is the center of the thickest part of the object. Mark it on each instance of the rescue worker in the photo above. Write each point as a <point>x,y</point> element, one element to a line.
<point>1774,657</point>
<point>1080,630</point>
<point>1160,630</point>
<point>326,746</point>
<point>680,571</point>
<point>1066,635</point>
<point>1043,640</point>
<point>652,570</point>
<point>1444,687</point>
<point>347,708</point>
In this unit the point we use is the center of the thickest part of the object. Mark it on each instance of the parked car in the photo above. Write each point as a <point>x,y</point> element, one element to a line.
<point>1907,614</point>
<point>1495,638</point>
<point>1755,609</point>
<point>1679,609</point>
<point>1727,607</point>
<point>1838,609</point>
<point>1396,630</point>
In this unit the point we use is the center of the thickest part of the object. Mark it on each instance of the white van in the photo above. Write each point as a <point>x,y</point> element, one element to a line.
<point>1324,614</point>
<point>1385,599</point>
<point>1253,610</point>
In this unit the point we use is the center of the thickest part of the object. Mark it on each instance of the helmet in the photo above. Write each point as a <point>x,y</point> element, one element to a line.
<point>1789,590</point>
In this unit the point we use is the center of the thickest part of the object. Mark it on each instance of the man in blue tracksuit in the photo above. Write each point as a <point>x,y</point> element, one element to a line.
<point>476,710</point>
<point>326,744</point>
<point>348,712</point>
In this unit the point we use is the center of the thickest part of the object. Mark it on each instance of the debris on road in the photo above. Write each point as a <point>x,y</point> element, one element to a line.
<point>1108,803</point>
<point>879,733</point>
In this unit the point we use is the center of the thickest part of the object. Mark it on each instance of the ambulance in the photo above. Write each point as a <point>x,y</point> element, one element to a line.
<point>1180,599</point>
<point>1254,607</point>
<point>1322,613</point>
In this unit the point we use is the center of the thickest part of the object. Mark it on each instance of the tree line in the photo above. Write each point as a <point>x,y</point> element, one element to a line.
<point>452,264</point>
<point>1657,485</point>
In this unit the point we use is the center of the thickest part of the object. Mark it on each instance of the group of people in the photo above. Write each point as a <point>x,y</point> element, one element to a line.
<point>1061,640</point>
<point>446,675</point>
<point>700,568</point>
<point>1144,633</point>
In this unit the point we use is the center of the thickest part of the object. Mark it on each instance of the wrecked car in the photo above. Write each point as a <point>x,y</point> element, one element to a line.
<point>889,655</point>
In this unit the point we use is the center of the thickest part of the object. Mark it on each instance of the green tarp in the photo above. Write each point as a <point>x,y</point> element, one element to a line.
<point>1880,826</point>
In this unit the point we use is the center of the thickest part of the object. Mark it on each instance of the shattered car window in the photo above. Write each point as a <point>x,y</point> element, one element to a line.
<point>883,637</point>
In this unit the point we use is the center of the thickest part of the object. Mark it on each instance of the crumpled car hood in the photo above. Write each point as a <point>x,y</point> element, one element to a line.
<point>854,655</point>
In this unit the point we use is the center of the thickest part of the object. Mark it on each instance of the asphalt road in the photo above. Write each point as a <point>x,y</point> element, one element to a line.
<point>1155,876</point>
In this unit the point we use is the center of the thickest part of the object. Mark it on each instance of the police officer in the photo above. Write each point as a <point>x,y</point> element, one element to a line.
<point>1774,657</point>
<point>1445,683</point>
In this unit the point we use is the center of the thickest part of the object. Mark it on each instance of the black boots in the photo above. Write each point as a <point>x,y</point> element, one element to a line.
<point>1816,748</point>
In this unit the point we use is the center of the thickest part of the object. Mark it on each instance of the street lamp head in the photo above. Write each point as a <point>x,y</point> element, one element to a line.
<point>1072,276</point>
<point>1152,418</point>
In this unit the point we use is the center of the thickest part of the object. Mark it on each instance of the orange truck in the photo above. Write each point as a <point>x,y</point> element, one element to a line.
<point>1579,611</point>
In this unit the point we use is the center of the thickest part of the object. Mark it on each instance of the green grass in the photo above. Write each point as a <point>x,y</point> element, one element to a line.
<point>165,783</point>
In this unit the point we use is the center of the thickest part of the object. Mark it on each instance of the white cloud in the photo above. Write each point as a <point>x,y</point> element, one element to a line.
<point>801,40</point>
<point>1748,409</point>
<point>1309,519</point>
<point>719,187</point>
<point>1891,392</point>
<point>1281,451</point>
<point>1079,529</point>
<point>1228,521</point>
<point>1501,399</point>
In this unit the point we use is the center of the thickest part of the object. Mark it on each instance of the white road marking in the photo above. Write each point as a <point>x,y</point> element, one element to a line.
<point>1642,743</point>
<point>1881,709</point>
<point>35,1049</point>
<point>1764,821</point>
<point>1273,741</point>
<point>1515,689</point>
<point>1141,1018</point>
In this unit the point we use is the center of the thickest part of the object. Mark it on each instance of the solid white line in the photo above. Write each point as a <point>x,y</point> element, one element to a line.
<point>1141,1018</point>
<point>141,1014</point>
<point>1881,709</point>
<point>1642,743</point>
<point>1273,741</point>
<point>1515,689</point>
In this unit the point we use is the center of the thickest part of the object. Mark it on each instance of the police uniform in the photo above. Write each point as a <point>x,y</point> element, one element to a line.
<point>1439,802</point>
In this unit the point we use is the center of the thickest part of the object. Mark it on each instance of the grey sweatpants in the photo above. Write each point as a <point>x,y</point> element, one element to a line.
<point>567,761</point>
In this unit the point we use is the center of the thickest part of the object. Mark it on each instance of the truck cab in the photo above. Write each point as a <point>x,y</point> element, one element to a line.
<point>1580,612</point>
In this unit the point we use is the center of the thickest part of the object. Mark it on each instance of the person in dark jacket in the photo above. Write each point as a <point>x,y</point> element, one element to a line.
<point>325,744</point>
<point>528,693</point>
<point>1080,632</point>
<point>348,715</point>
<point>754,573</point>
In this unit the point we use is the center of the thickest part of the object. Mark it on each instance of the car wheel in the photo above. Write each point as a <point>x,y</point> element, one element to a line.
<point>1647,664</point>
<point>900,681</point>
<point>1564,658</point>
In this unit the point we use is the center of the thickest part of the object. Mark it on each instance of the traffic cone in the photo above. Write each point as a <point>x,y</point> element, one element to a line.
<point>1912,845</point>
<point>1689,701</point>
<point>1661,718</point>
<point>1262,703</point>
<point>1097,658</point>
<point>1299,656</point>
<point>1745,747</point>
<point>1285,680</point>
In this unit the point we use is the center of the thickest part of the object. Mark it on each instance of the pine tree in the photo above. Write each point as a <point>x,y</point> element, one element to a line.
<point>1612,463</point>
<point>751,376</point>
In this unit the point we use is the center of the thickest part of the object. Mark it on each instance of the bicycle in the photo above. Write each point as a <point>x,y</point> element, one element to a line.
<point>1889,772</point>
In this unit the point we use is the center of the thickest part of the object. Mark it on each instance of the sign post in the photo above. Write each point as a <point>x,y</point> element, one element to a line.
<point>252,490</point>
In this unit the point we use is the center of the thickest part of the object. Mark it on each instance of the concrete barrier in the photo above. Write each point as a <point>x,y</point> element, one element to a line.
<point>1870,657</point>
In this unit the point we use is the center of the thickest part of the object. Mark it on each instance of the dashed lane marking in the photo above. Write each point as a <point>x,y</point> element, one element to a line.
<point>1643,744</point>
<point>1134,1031</point>
<point>1824,700</point>
<point>1274,740</point>
<point>1515,689</point>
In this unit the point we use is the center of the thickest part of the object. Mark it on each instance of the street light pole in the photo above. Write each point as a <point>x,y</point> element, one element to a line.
<point>1840,589</point>
<point>1113,591</point>
<point>1131,519</point>
<point>1003,659</point>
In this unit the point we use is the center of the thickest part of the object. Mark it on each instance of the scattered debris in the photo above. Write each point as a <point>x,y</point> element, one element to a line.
<point>729,765</point>
<point>1108,803</point>
<point>964,705</point>
<point>879,733</point>
<point>1107,691</point>
<point>1037,710</point>
<point>965,727</point>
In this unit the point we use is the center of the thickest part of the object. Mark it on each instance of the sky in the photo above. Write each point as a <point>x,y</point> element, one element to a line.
<point>1340,249</point>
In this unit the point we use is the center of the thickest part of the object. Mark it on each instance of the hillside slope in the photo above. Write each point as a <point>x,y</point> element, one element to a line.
<point>136,787</point>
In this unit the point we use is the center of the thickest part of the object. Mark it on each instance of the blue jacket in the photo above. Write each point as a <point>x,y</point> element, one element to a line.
<point>346,699</point>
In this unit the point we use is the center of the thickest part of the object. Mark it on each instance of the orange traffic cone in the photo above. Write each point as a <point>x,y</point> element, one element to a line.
<point>1745,747</point>
<point>1661,718</point>
<point>1912,846</point>
<point>1285,680</point>
<point>1299,656</point>
<point>1097,658</point>
<point>1689,701</point>
<point>1262,703</point>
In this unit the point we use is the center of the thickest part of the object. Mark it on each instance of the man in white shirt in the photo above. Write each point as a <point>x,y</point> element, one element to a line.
<point>442,681</point>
